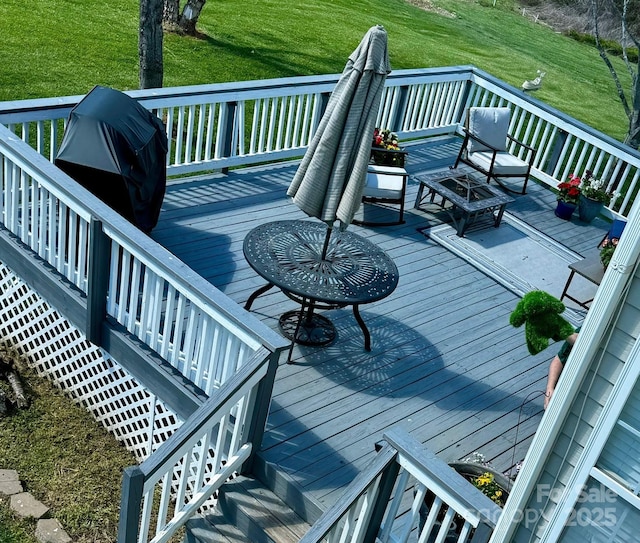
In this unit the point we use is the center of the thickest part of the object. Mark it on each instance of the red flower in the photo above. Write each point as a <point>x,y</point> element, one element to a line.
<point>570,189</point>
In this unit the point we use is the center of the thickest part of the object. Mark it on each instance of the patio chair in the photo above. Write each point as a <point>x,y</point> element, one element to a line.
<point>485,148</point>
<point>385,185</point>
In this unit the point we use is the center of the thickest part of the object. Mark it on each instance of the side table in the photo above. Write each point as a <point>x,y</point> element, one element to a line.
<point>591,269</point>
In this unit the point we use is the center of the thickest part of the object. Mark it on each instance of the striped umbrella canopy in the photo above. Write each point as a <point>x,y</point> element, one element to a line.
<point>330,179</point>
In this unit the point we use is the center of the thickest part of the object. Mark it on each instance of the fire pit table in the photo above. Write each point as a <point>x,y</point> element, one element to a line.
<point>469,195</point>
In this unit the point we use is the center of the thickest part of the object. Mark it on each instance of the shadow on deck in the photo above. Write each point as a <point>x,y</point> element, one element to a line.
<point>445,364</point>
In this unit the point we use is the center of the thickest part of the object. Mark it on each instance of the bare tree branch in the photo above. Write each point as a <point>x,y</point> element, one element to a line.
<point>603,54</point>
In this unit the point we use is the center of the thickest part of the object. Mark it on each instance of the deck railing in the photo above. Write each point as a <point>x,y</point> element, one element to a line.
<point>189,323</point>
<point>407,494</point>
<point>115,284</point>
<point>232,124</point>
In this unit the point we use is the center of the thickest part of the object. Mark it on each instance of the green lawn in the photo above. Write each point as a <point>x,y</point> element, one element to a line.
<point>65,459</point>
<point>63,47</point>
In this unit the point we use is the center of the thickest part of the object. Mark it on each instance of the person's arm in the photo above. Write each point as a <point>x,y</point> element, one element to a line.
<point>572,338</point>
<point>555,369</point>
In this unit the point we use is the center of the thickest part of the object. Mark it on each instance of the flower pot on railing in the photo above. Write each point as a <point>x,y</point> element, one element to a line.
<point>489,481</point>
<point>589,209</point>
<point>564,210</point>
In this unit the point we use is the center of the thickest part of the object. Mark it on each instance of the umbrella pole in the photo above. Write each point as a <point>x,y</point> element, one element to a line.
<point>325,247</point>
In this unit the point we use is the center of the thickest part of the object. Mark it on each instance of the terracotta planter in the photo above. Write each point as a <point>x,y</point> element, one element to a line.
<point>564,210</point>
<point>589,209</point>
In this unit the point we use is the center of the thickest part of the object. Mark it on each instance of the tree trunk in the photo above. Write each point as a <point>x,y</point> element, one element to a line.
<point>632,109</point>
<point>170,14</point>
<point>633,136</point>
<point>190,15</point>
<point>150,44</point>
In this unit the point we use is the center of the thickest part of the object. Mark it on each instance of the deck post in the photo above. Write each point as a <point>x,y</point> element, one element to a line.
<point>482,533</point>
<point>258,419</point>
<point>130,502</point>
<point>98,281</point>
<point>228,115</point>
<point>387,482</point>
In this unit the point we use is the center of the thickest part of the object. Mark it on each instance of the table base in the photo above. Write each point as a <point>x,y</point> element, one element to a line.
<point>313,331</point>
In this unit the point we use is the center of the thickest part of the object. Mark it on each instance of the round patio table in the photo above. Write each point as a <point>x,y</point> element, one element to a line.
<point>352,272</point>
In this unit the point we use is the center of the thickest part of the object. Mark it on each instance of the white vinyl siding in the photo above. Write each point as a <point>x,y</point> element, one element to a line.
<point>608,510</point>
<point>621,454</point>
<point>602,516</point>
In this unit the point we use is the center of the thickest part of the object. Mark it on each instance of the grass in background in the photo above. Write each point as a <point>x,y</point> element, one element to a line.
<point>66,460</point>
<point>65,47</point>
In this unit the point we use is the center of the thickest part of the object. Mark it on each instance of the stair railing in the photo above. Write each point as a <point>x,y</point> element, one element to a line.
<point>183,474</point>
<point>407,492</point>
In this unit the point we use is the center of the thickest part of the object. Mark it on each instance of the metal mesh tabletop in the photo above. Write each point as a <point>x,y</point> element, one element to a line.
<point>289,255</point>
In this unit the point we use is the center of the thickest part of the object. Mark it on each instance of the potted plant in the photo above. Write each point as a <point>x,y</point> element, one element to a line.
<point>593,197</point>
<point>568,197</point>
<point>480,474</point>
<point>385,150</point>
<point>607,248</point>
<point>485,478</point>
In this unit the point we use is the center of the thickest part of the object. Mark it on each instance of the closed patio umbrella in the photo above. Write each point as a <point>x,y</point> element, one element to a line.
<point>330,179</point>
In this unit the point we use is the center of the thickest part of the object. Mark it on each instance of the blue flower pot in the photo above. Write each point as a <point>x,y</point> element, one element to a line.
<point>589,209</point>
<point>564,210</point>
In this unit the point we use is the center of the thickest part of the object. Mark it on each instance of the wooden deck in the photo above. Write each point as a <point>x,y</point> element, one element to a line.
<point>445,363</point>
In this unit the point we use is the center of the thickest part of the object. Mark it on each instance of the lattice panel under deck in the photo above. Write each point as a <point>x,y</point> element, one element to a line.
<point>59,351</point>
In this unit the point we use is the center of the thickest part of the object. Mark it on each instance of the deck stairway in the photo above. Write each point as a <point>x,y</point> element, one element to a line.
<point>247,511</point>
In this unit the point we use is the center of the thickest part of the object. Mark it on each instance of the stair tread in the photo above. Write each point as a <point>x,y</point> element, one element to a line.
<point>213,529</point>
<point>247,511</point>
<point>264,509</point>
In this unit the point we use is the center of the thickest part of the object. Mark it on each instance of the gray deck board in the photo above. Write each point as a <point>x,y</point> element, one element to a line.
<point>445,364</point>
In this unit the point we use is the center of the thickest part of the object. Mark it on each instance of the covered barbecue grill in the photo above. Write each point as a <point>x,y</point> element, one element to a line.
<point>117,149</point>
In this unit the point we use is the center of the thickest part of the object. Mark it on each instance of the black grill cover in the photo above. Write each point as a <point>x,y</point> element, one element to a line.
<point>117,149</point>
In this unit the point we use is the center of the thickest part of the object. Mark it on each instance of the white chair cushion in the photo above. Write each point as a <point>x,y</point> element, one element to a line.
<point>380,185</point>
<point>393,170</point>
<point>490,124</point>
<point>505,164</point>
